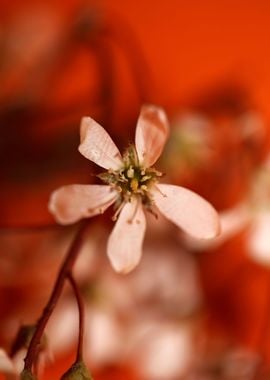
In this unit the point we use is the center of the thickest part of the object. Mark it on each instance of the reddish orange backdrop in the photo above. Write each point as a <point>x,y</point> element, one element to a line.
<point>190,47</point>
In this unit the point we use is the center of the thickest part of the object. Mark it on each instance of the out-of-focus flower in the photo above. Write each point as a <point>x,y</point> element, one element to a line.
<point>7,366</point>
<point>129,318</point>
<point>21,250</point>
<point>253,214</point>
<point>223,361</point>
<point>190,146</point>
<point>13,365</point>
<point>132,184</point>
<point>163,350</point>
<point>258,240</point>
<point>216,145</point>
<point>232,221</point>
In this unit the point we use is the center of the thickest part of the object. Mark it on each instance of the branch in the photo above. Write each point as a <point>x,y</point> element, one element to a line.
<point>56,292</point>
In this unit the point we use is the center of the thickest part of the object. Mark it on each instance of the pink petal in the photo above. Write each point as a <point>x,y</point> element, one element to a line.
<point>6,365</point>
<point>187,210</point>
<point>125,242</point>
<point>151,134</point>
<point>97,145</point>
<point>259,239</point>
<point>74,202</point>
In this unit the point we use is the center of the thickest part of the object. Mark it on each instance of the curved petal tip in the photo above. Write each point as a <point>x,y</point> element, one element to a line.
<point>151,134</point>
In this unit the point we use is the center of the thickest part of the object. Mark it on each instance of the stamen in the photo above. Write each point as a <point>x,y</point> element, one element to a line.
<point>130,172</point>
<point>119,189</point>
<point>102,207</point>
<point>145,178</point>
<point>117,212</point>
<point>152,212</point>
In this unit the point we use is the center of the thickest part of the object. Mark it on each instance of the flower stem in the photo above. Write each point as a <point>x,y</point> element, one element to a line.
<point>64,272</point>
<point>123,35</point>
<point>79,300</point>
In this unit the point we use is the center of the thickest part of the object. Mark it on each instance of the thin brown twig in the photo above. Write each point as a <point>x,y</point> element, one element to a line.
<point>119,31</point>
<point>105,65</point>
<point>56,292</point>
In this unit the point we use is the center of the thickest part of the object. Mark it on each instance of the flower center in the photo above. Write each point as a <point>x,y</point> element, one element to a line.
<point>132,179</point>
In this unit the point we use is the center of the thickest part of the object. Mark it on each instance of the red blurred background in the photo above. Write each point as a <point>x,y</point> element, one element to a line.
<point>61,60</point>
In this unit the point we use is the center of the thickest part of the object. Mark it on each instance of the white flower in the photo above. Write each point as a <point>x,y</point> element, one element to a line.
<point>132,185</point>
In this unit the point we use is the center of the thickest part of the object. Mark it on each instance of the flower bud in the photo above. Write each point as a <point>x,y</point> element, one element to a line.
<point>77,371</point>
<point>27,375</point>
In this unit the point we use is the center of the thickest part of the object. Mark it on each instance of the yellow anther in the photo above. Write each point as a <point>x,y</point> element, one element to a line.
<point>130,172</point>
<point>134,184</point>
